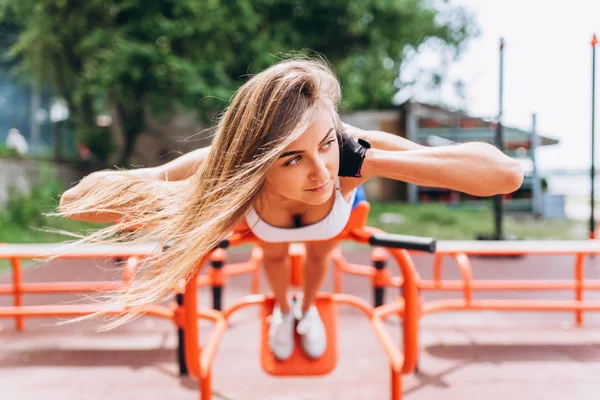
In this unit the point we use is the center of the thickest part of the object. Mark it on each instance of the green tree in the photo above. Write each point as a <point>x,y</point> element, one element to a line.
<point>134,57</point>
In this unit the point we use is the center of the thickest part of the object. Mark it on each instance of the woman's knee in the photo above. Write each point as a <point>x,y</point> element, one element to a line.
<point>319,253</point>
<point>275,254</point>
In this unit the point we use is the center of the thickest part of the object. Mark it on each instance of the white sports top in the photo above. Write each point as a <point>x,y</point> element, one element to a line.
<point>327,228</point>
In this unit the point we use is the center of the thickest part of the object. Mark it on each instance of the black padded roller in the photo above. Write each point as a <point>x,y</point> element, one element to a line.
<point>418,243</point>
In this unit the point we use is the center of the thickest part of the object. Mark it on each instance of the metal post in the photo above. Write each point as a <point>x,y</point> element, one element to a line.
<point>34,126</point>
<point>536,182</point>
<point>593,169</point>
<point>498,199</point>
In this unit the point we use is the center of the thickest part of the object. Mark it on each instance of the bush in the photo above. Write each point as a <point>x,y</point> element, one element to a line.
<point>9,152</point>
<point>28,209</point>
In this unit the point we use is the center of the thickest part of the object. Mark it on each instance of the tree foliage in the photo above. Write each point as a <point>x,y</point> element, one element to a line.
<point>131,57</point>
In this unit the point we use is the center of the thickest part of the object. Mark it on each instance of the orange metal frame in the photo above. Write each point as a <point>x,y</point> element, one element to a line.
<point>198,359</point>
<point>133,254</point>
<point>460,252</point>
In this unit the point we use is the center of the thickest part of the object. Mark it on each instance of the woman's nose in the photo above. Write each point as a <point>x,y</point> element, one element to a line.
<point>320,172</point>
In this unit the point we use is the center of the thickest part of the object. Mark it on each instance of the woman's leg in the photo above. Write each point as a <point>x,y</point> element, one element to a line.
<point>310,326</point>
<point>282,321</point>
<point>276,264</point>
<point>315,269</point>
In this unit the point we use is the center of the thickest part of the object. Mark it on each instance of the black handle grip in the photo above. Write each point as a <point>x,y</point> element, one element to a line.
<point>403,242</point>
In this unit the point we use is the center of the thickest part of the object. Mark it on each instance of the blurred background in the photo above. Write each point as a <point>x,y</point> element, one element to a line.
<point>98,84</point>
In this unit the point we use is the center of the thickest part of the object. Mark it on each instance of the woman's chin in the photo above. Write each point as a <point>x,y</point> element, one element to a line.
<point>318,198</point>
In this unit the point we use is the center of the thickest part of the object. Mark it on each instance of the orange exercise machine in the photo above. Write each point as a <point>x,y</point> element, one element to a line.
<point>460,251</point>
<point>198,360</point>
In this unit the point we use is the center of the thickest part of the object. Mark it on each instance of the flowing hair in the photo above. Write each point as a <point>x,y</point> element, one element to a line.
<point>271,110</point>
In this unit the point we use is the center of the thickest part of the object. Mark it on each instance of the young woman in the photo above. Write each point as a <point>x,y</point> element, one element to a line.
<point>283,165</point>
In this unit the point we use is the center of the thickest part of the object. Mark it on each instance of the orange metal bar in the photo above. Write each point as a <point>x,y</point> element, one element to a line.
<point>129,270</point>
<point>206,387</point>
<point>397,360</point>
<point>297,257</point>
<point>384,311</point>
<point>203,280</point>
<point>210,348</point>
<point>61,287</point>
<point>381,278</point>
<point>396,378</point>
<point>437,267</point>
<point>510,305</point>
<point>396,281</point>
<point>256,258</point>
<point>411,309</point>
<point>410,295</point>
<point>509,285</point>
<point>17,294</point>
<point>216,276</point>
<point>357,269</point>
<point>76,311</point>
<point>190,322</point>
<point>353,301</point>
<point>239,269</point>
<point>338,268</point>
<point>254,299</point>
<point>579,264</point>
<point>464,265</point>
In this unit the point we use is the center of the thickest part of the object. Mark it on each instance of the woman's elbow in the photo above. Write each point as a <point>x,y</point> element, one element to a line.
<point>508,178</point>
<point>507,171</point>
<point>65,199</point>
<point>512,176</point>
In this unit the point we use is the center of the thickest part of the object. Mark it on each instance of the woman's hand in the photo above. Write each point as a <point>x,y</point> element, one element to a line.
<point>354,132</point>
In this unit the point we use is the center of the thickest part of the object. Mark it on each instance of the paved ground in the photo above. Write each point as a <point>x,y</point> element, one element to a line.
<point>478,355</point>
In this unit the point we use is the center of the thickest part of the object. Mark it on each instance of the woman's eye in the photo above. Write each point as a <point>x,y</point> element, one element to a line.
<point>293,161</point>
<point>328,144</point>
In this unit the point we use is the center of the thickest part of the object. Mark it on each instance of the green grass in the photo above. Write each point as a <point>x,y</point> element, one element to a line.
<point>16,233</point>
<point>466,222</point>
<point>432,220</point>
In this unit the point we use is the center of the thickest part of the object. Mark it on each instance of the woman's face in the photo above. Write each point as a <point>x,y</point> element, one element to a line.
<point>307,169</point>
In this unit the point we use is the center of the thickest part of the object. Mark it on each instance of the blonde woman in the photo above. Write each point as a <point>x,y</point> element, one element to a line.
<point>283,165</point>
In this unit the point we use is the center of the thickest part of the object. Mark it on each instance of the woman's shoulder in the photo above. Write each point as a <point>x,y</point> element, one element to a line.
<point>348,184</point>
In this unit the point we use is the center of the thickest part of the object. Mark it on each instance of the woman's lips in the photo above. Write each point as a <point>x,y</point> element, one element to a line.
<point>318,189</point>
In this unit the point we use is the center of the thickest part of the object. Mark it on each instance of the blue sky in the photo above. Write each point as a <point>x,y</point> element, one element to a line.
<point>547,70</point>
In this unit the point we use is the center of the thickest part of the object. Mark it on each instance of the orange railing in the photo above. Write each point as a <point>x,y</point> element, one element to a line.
<point>196,360</point>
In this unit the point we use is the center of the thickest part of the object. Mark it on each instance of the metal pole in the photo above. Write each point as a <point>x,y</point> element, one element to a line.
<point>536,182</point>
<point>593,169</point>
<point>34,126</point>
<point>498,206</point>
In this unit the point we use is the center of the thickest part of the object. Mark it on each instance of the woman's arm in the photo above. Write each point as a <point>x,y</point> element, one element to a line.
<point>382,140</point>
<point>180,168</point>
<point>177,170</point>
<point>478,169</point>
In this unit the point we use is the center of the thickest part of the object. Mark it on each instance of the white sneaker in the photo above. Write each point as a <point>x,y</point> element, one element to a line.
<point>281,333</point>
<point>311,329</point>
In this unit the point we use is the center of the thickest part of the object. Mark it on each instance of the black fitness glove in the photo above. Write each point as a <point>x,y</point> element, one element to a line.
<point>352,155</point>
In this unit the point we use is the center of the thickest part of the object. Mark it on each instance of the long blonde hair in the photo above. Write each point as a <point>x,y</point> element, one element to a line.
<point>267,113</point>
